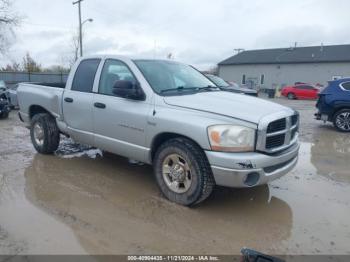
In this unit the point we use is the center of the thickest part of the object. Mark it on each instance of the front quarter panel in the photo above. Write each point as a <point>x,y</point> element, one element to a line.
<point>185,122</point>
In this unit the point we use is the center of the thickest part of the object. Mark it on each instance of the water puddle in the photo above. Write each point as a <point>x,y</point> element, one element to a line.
<point>83,200</point>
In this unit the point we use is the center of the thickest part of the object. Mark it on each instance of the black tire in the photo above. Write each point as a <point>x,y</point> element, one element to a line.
<point>291,96</point>
<point>202,182</point>
<point>51,134</point>
<point>344,113</point>
<point>4,115</point>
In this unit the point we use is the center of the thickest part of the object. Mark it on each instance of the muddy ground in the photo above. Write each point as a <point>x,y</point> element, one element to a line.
<point>80,201</point>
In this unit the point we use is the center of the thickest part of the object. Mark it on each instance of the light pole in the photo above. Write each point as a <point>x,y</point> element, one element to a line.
<point>81,34</point>
<point>81,25</point>
<point>87,20</point>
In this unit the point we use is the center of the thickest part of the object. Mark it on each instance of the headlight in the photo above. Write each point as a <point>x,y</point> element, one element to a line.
<point>231,138</point>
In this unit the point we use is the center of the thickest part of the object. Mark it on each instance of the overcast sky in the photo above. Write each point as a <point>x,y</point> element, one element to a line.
<point>199,32</point>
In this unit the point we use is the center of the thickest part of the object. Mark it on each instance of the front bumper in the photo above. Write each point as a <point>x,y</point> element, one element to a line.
<point>251,169</point>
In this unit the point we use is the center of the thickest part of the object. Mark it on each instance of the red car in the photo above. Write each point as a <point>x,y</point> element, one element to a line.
<point>301,91</point>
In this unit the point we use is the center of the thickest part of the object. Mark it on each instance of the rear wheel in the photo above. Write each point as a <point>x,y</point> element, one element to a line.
<point>291,96</point>
<point>4,115</point>
<point>341,120</point>
<point>183,172</point>
<point>44,133</point>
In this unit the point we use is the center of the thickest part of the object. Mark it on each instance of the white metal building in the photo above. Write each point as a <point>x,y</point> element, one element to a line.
<point>271,68</point>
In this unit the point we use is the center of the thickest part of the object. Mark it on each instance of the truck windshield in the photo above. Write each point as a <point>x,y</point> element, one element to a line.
<point>169,76</point>
<point>218,81</point>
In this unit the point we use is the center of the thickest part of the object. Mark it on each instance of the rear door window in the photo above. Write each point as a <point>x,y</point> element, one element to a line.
<point>85,75</point>
<point>345,86</point>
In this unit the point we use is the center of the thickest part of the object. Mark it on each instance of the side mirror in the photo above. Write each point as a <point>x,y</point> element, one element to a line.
<point>127,89</point>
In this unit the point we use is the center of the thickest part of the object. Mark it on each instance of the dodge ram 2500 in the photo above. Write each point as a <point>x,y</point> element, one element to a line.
<point>169,115</point>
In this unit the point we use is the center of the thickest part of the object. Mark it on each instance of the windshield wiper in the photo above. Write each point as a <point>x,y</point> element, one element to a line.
<point>179,88</point>
<point>209,88</point>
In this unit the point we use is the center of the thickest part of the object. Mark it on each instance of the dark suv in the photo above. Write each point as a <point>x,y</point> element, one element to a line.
<point>4,103</point>
<point>334,104</point>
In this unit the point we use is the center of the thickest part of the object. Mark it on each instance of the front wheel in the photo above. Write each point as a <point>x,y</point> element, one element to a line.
<point>44,133</point>
<point>341,120</point>
<point>183,172</point>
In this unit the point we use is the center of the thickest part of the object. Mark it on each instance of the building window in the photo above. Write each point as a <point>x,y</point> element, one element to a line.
<point>243,79</point>
<point>262,79</point>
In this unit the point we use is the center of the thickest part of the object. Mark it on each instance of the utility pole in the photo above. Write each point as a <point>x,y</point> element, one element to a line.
<point>80,27</point>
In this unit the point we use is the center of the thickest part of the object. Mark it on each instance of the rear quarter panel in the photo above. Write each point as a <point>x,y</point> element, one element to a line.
<point>311,94</point>
<point>50,98</point>
<point>286,90</point>
<point>333,99</point>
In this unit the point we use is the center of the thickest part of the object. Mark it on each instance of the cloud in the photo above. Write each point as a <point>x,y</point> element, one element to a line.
<point>304,36</point>
<point>199,32</point>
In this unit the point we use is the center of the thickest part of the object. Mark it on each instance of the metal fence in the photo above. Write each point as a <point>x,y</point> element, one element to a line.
<point>18,77</point>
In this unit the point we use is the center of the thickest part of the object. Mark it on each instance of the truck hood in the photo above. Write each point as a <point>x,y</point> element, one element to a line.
<point>240,89</point>
<point>239,106</point>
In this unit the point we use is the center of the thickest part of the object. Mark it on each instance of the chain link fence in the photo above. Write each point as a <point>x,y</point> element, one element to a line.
<point>12,78</point>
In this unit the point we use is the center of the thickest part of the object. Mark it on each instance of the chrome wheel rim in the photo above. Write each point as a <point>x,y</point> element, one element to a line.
<point>38,132</point>
<point>343,121</point>
<point>177,173</point>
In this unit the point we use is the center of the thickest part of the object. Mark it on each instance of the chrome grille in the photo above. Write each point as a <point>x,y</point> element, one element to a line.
<point>275,141</point>
<point>277,133</point>
<point>277,125</point>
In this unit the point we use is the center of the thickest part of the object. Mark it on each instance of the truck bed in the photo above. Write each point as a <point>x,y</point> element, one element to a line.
<point>57,85</point>
<point>45,95</point>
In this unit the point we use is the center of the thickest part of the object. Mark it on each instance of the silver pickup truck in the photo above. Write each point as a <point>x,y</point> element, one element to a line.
<point>169,115</point>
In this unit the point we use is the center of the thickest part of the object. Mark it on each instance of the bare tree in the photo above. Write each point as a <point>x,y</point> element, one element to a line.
<point>56,69</point>
<point>67,59</point>
<point>75,49</point>
<point>30,65</point>
<point>12,67</point>
<point>8,20</point>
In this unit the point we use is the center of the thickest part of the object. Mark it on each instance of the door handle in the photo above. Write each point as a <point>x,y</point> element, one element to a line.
<point>99,105</point>
<point>68,100</point>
